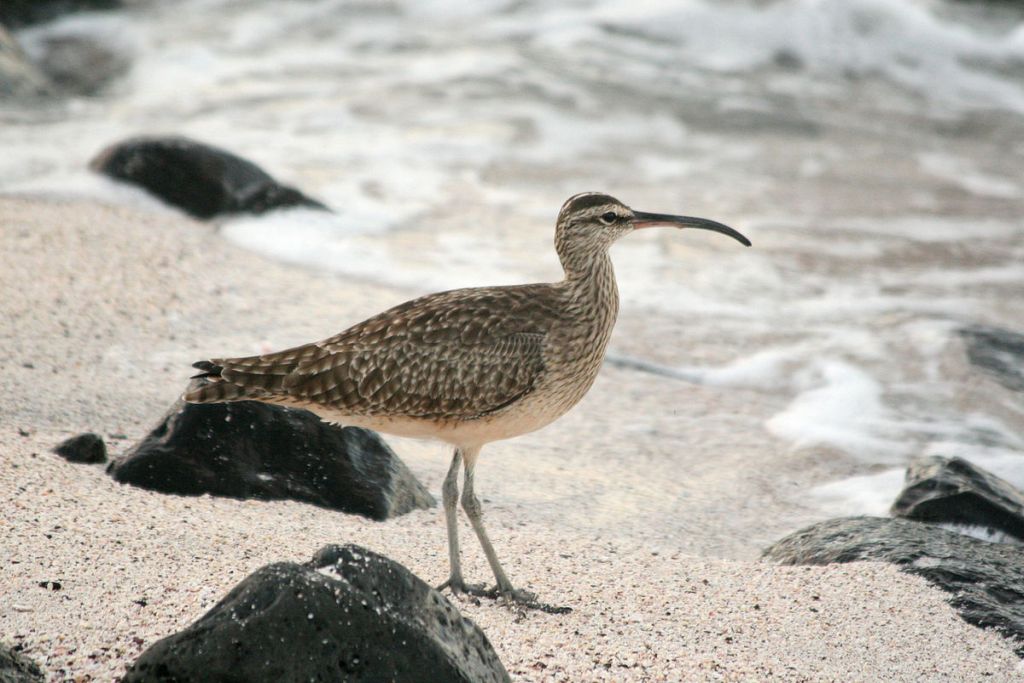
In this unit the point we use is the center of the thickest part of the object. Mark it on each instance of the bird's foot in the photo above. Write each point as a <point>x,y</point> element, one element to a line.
<point>522,600</point>
<point>513,597</point>
<point>459,587</point>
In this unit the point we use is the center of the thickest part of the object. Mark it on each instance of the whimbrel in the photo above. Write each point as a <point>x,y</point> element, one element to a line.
<point>468,366</point>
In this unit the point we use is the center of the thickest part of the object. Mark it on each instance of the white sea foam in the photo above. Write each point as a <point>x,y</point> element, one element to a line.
<point>768,369</point>
<point>843,409</point>
<point>866,494</point>
<point>906,41</point>
<point>349,244</point>
<point>319,239</point>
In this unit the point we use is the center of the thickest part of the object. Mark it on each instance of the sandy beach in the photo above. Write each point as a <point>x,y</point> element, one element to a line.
<point>105,307</point>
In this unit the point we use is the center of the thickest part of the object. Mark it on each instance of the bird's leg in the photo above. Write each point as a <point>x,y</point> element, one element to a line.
<point>471,504</point>
<point>450,496</point>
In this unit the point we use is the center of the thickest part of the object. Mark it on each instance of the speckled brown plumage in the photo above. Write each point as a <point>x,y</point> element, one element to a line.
<point>456,355</point>
<point>469,366</point>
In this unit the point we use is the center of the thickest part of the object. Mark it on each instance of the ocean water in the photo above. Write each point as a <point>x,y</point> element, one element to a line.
<point>873,150</point>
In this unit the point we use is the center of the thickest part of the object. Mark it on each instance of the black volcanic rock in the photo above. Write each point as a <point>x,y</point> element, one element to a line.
<point>347,615</point>
<point>953,491</point>
<point>256,450</point>
<point>986,580</point>
<point>200,179</point>
<point>85,448</point>
<point>17,668</point>
<point>997,351</point>
<point>17,13</point>
<point>79,64</point>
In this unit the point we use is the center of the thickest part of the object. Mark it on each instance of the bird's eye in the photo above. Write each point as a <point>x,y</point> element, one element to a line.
<point>609,218</point>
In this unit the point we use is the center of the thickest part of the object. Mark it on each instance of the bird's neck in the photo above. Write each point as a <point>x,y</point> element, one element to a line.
<point>591,285</point>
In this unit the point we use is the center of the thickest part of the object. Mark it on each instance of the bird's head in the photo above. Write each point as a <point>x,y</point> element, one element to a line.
<point>590,222</point>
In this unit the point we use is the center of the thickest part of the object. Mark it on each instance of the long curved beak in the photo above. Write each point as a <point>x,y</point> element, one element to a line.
<point>642,219</point>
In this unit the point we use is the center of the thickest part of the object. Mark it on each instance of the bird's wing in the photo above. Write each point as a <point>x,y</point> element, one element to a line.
<point>459,354</point>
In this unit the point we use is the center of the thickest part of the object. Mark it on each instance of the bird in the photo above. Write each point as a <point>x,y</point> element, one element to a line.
<point>466,367</point>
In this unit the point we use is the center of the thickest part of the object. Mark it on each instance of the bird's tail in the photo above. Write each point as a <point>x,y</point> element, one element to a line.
<point>244,379</point>
<point>214,389</point>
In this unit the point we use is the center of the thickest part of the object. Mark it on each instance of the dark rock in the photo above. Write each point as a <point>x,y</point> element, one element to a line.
<point>997,351</point>
<point>257,450</point>
<point>201,180</point>
<point>78,64</point>
<point>348,615</point>
<point>986,580</point>
<point>86,448</point>
<point>953,491</point>
<point>16,13</point>
<point>18,76</point>
<point>17,668</point>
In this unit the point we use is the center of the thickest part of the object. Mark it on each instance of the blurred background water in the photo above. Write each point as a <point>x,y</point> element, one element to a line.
<point>872,150</point>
